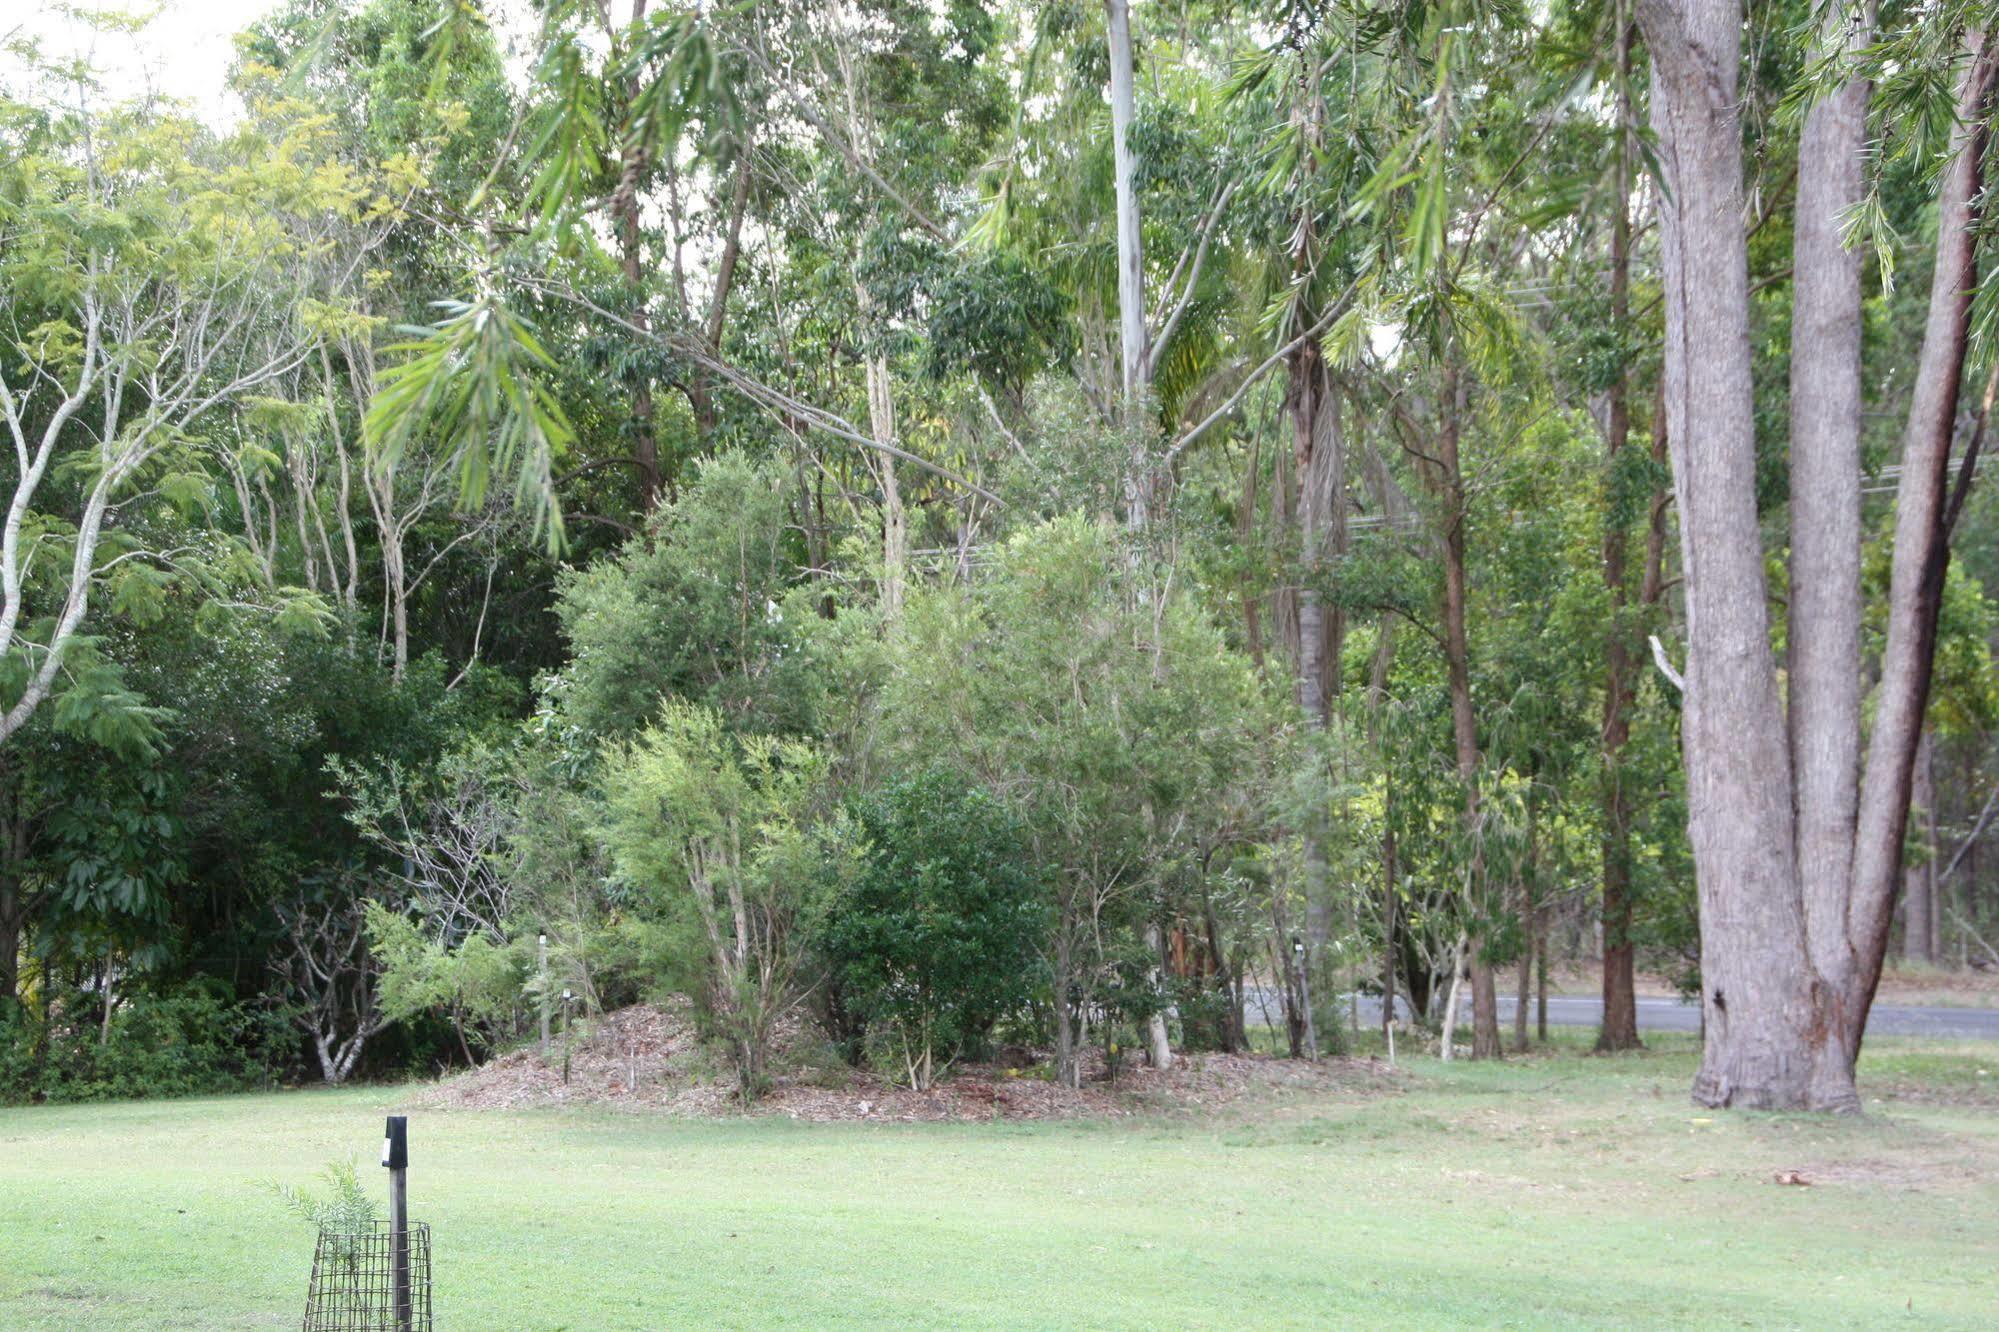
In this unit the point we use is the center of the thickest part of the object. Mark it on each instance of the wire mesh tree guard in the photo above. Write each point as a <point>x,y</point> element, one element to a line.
<point>354,1281</point>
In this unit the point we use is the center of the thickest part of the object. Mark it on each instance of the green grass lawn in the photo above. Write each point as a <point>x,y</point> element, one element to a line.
<point>1558,1189</point>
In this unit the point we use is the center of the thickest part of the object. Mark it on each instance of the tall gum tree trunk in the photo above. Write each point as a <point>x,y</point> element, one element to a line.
<point>1824,628</point>
<point>895,522</point>
<point>699,390</point>
<point>1771,1041</point>
<point>1130,251</point>
<point>1133,336</point>
<point>1319,460</point>
<point>1618,1029</point>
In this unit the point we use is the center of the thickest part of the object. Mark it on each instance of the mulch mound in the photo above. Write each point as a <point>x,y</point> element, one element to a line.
<point>650,1058</point>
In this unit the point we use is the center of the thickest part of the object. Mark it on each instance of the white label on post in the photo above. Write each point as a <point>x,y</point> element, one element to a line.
<point>385,1151</point>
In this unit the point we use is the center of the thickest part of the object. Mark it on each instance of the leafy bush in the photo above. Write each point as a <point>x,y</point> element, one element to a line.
<point>705,608</point>
<point>185,1042</point>
<point>935,934</point>
<point>477,985</point>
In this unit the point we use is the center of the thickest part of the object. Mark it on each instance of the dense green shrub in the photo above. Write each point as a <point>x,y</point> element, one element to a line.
<point>935,934</point>
<point>183,1042</point>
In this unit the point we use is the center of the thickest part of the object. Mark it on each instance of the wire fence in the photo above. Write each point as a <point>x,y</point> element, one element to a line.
<point>354,1282</point>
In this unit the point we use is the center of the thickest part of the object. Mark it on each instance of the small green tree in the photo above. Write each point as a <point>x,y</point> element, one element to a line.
<point>703,819</point>
<point>704,607</point>
<point>1108,712</point>
<point>937,934</point>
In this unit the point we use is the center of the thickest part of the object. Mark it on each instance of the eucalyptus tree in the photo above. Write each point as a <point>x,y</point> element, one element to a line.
<point>149,278</point>
<point>1798,838</point>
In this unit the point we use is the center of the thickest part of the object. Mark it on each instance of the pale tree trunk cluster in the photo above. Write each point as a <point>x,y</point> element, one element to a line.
<point>327,969</point>
<point>212,328</point>
<point>747,941</point>
<point>1796,818</point>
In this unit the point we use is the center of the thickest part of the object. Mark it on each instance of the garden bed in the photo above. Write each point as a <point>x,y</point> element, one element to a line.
<point>650,1058</point>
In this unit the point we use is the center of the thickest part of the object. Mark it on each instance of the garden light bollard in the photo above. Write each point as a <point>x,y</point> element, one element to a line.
<point>396,1157</point>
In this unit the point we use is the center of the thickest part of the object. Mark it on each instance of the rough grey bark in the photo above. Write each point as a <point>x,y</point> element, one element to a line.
<point>624,209</point>
<point>1921,551</point>
<point>1319,455</point>
<point>1824,628</point>
<point>1318,447</point>
<point>1319,458</point>
<point>1796,899</point>
<point>1769,1039</point>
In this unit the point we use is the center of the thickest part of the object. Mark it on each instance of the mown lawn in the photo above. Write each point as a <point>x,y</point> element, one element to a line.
<point>1559,1189</point>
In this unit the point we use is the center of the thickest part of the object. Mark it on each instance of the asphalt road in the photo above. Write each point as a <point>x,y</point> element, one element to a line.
<point>1575,1010</point>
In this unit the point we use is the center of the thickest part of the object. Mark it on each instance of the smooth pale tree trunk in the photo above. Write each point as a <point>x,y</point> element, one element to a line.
<point>1447,1047</point>
<point>1158,1047</point>
<point>1130,251</point>
<point>344,506</point>
<point>1133,337</point>
<point>1618,1029</point>
<point>389,529</point>
<point>1068,1059</point>
<point>895,522</point>
<point>1770,1041</point>
<point>1390,910</point>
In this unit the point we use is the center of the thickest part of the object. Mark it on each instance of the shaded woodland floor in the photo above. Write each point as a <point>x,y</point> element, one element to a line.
<point>1555,1189</point>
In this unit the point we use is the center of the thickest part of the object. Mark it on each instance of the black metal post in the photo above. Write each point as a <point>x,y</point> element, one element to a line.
<point>396,1156</point>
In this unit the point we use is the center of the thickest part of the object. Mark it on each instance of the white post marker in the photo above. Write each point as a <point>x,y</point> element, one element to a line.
<point>541,974</point>
<point>1305,997</point>
<point>396,1159</point>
